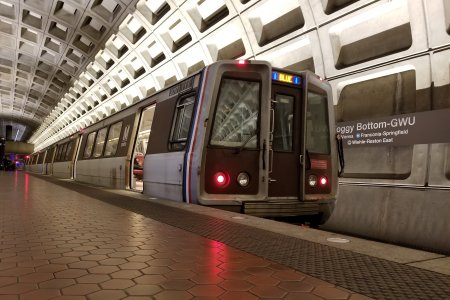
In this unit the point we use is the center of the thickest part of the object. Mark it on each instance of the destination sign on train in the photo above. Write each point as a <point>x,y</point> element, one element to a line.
<point>288,78</point>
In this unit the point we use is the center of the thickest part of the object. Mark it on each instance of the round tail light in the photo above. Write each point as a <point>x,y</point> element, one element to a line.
<point>221,179</point>
<point>323,181</point>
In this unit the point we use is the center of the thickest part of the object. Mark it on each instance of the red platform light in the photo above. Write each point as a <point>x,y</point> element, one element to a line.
<point>323,181</point>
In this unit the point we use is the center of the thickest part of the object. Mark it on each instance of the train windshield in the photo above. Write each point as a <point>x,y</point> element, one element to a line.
<point>317,127</point>
<point>236,119</point>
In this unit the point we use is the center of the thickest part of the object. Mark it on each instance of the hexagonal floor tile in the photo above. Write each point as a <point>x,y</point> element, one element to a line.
<point>206,290</point>
<point>80,289</point>
<point>143,290</point>
<point>117,284</point>
<point>236,285</point>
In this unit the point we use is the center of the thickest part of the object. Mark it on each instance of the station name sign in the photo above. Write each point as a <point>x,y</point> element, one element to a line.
<point>430,127</point>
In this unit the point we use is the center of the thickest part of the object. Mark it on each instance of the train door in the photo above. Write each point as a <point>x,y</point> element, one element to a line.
<point>75,155</point>
<point>140,148</point>
<point>71,153</point>
<point>286,178</point>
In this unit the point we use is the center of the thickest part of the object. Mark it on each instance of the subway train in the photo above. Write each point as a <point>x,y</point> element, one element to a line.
<point>238,135</point>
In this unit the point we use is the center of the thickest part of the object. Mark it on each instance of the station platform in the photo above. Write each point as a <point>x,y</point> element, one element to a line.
<point>65,240</point>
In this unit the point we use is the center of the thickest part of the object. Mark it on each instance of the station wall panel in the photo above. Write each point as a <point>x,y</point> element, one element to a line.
<point>146,86</point>
<point>152,52</point>
<point>375,34</point>
<point>206,16</point>
<point>438,16</point>
<point>300,53</point>
<point>228,42</point>
<point>327,10</point>
<point>175,33</point>
<point>269,23</point>
<point>191,60</point>
<point>440,153</point>
<point>395,89</point>
<point>166,75</point>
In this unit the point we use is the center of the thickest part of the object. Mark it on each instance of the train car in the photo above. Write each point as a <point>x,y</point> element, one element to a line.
<point>112,151</point>
<point>37,162</point>
<point>30,161</point>
<point>48,161</point>
<point>104,156</point>
<point>65,152</point>
<point>245,138</point>
<point>237,135</point>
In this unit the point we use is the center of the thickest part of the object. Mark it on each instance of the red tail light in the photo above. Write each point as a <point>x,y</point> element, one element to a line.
<point>323,181</point>
<point>242,63</point>
<point>221,179</point>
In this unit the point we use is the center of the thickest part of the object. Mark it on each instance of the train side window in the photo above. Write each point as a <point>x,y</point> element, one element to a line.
<point>41,158</point>
<point>145,129</point>
<point>284,122</point>
<point>60,149</point>
<point>100,142</point>
<point>63,152</point>
<point>317,127</point>
<point>89,145</point>
<point>49,157</point>
<point>49,153</point>
<point>182,123</point>
<point>68,150</point>
<point>113,139</point>
<point>236,118</point>
<point>58,152</point>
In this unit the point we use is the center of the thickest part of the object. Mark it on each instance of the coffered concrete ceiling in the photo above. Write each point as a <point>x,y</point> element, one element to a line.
<point>44,46</point>
<point>66,64</point>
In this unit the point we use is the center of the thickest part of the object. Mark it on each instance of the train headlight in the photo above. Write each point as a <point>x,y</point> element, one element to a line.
<point>243,179</point>
<point>312,180</point>
<point>221,179</point>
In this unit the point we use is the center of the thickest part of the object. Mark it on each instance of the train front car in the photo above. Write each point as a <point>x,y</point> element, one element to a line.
<point>262,143</point>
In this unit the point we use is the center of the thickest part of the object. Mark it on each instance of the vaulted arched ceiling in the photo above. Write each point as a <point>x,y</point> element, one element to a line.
<point>65,64</point>
<point>44,46</point>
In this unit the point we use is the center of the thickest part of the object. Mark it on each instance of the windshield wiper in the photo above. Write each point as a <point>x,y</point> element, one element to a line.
<point>252,135</point>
